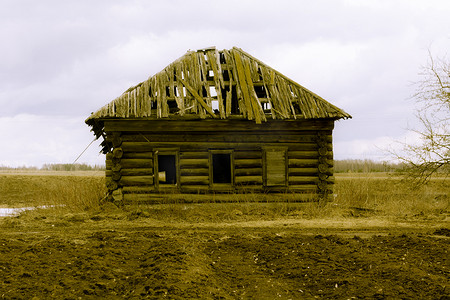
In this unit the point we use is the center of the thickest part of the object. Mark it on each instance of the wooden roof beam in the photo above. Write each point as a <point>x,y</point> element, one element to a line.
<point>197,97</point>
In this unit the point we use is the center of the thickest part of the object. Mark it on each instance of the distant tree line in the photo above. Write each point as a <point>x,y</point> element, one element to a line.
<point>59,167</point>
<point>72,167</point>
<point>5,168</point>
<point>366,166</point>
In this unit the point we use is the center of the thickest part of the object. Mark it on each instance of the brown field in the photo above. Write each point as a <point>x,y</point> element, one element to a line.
<point>378,239</point>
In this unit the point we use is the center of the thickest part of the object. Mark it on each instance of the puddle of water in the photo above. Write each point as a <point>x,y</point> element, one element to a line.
<point>10,212</point>
<point>14,211</point>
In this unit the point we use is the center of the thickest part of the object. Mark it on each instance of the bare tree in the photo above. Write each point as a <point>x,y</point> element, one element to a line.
<point>432,95</point>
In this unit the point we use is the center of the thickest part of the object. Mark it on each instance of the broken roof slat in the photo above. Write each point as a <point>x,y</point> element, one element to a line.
<point>242,84</point>
<point>198,98</point>
<point>256,105</point>
<point>243,73</point>
<point>218,79</point>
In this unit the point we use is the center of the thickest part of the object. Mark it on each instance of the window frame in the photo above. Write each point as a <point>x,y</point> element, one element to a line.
<point>211,167</point>
<point>166,151</point>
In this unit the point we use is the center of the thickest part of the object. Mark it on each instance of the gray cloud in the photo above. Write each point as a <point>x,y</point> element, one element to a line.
<point>61,58</point>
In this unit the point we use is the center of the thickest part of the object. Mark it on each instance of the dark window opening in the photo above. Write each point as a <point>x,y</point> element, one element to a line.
<point>297,109</point>
<point>173,106</point>
<point>221,168</point>
<point>204,92</point>
<point>154,104</point>
<point>234,102</point>
<point>167,169</point>
<point>260,91</point>
<point>226,75</point>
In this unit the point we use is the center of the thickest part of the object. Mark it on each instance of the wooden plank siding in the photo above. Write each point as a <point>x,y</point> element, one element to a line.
<point>131,167</point>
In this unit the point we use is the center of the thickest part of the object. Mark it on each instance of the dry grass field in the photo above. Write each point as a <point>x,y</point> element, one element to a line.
<point>379,238</point>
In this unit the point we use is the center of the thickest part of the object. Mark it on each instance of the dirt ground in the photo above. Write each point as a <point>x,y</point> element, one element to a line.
<point>118,255</point>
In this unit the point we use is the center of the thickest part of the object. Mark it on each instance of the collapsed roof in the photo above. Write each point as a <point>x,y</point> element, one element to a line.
<point>209,83</point>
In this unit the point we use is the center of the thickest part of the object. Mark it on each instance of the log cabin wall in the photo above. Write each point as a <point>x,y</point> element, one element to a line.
<point>280,156</point>
<point>217,122</point>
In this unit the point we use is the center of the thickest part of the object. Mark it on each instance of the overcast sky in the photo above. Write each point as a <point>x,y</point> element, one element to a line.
<point>62,60</point>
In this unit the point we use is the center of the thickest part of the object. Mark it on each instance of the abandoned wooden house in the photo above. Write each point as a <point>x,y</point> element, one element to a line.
<point>217,122</point>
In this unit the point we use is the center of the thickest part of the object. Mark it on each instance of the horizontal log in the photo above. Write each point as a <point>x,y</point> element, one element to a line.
<point>130,163</point>
<point>296,180</point>
<point>194,154</point>
<point>228,137</point>
<point>133,147</point>
<point>303,154</point>
<point>205,146</point>
<point>238,124</point>
<point>195,172</point>
<point>194,163</point>
<point>247,154</point>
<point>136,180</point>
<point>207,135</point>
<point>303,163</point>
<point>248,180</point>
<point>248,172</point>
<point>137,172</point>
<point>303,171</point>
<point>168,188</point>
<point>145,155</point>
<point>196,180</point>
<point>247,163</point>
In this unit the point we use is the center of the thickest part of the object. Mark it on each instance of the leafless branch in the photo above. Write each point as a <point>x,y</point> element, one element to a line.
<point>432,94</point>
